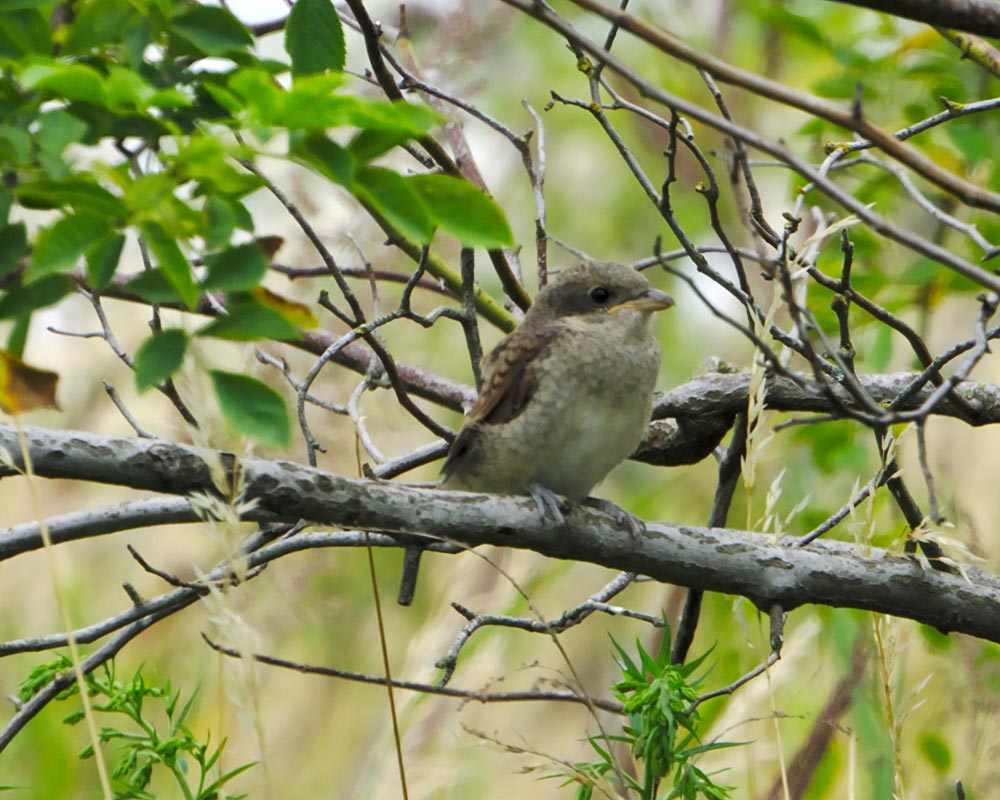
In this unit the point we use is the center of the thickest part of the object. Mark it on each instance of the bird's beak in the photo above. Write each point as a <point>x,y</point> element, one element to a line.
<point>649,301</point>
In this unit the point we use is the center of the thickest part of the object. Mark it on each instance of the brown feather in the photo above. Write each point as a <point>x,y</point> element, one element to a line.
<point>510,377</point>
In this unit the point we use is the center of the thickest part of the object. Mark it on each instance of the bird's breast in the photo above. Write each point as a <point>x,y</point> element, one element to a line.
<point>588,412</point>
<point>601,398</point>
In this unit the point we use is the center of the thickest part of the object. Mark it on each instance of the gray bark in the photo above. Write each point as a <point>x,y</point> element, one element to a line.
<point>732,561</point>
<point>973,16</point>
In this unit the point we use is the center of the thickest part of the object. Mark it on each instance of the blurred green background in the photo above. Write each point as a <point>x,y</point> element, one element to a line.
<point>319,737</point>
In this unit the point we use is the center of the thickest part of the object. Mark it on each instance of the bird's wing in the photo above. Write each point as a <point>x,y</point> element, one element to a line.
<point>510,378</point>
<point>510,375</point>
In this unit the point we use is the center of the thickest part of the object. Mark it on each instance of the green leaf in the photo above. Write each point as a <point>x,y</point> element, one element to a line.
<point>314,107</point>
<point>40,675</point>
<point>314,37</point>
<point>221,217</point>
<point>219,221</point>
<point>60,245</point>
<point>78,192</point>
<point>395,199</point>
<point>235,269</point>
<point>693,664</point>
<point>135,39</point>
<point>38,294</point>
<point>15,145</point>
<point>159,357</point>
<point>228,102</point>
<point>23,33</point>
<point>252,408</point>
<point>74,718</point>
<point>313,103</point>
<point>297,314</point>
<point>102,260</point>
<point>649,664</point>
<point>13,246</point>
<point>6,202</point>
<point>172,704</point>
<point>212,30</point>
<point>18,5</point>
<point>244,219</point>
<point>844,86</point>
<point>99,22</point>
<point>70,81</point>
<point>125,88</point>
<point>778,17</point>
<point>259,92</point>
<point>227,777</point>
<point>325,156</point>
<point>936,751</point>
<point>627,665</point>
<point>175,266</point>
<point>371,143</point>
<point>204,159</point>
<point>18,338</point>
<point>169,98</point>
<point>397,116</point>
<point>248,320</point>
<point>152,286</point>
<point>57,130</point>
<point>148,193</point>
<point>464,211</point>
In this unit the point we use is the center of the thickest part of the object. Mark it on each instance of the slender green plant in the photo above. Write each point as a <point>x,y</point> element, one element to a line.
<point>661,734</point>
<point>143,744</point>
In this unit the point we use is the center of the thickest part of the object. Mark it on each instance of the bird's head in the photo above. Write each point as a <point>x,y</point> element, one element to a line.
<point>597,287</point>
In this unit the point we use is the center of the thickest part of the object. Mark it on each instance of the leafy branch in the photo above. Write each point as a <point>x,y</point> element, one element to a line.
<point>143,745</point>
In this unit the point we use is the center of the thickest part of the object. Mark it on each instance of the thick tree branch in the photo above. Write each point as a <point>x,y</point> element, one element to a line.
<point>721,393</point>
<point>722,560</point>
<point>974,16</point>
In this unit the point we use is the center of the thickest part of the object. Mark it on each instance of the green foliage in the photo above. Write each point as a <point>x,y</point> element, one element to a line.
<point>252,407</point>
<point>145,745</point>
<point>314,37</point>
<point>936,751</point>
<point>13,246</point>
<point>662,730</point>
<point>235,269</point>
<point>252,317</point>
<point>102,260</point>
<point>136,74</point>
<point>463,211</point>
<point>160,356</point>
<point>21,299</point>
<point>172,262</point>
<point>132,77</point>
<point>395,199</point>
<point>211,31</point>
<point>62,244</point>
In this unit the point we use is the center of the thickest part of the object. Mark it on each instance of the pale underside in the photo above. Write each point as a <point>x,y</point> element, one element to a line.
<point>584,410</point>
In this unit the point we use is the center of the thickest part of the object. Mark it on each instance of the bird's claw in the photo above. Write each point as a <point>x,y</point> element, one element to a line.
<point>548,502</point>
<point>635,526</point>
<point>551,506</point>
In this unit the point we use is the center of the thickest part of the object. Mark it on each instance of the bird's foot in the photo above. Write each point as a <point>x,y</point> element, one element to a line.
<point>630,522</point>
<point>550,505</point>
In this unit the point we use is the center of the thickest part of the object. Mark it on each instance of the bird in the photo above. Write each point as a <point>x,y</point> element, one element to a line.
<point>565,397</point>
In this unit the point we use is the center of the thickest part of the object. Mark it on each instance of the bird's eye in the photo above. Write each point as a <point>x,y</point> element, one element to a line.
<point>599,295</point>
